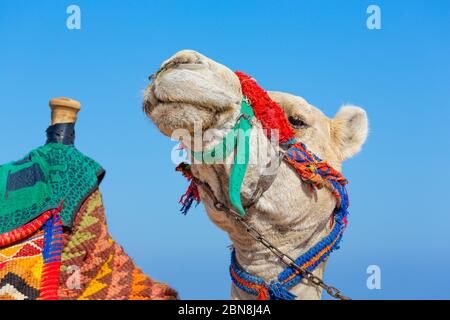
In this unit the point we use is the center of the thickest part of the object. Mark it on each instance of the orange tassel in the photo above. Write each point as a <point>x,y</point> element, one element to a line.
<point>263,294</point>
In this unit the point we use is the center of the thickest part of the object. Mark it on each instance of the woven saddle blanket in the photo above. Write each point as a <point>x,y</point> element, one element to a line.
<point>40,194</point>
<point>54,240</point>
<point>84,263</point>
<point>42,180</point>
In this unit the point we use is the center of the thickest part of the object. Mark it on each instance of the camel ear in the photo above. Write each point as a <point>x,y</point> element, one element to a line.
<point>349,130</point>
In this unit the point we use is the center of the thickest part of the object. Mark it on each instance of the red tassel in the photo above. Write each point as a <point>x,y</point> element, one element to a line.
<point>267,111</point>
<point>191,194</point>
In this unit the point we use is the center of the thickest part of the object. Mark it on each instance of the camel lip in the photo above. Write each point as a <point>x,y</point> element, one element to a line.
<point>148,107</point>
<point>152,100</point>
<point>177,104</point>
<point>155,99</point>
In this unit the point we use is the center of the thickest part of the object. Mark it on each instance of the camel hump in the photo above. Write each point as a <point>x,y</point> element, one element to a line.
<point>64,110</point>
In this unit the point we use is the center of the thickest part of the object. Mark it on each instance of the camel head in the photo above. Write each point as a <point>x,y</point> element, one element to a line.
<point>191,91</point>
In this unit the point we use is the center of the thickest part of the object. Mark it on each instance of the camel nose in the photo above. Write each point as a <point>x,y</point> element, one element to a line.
<point>186,58</point>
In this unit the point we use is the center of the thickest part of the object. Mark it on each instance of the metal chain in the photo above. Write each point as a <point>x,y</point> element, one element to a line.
<point>257,236</point>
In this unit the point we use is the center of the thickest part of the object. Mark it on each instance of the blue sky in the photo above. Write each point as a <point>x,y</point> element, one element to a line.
<point>321,50</point>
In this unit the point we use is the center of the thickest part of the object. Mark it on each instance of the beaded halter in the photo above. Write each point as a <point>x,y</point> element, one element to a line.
<point>310,168</point>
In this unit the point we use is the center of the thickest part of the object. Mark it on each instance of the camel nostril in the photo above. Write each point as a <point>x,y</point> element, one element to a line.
<point>184,60</point>
<point>191,64</point>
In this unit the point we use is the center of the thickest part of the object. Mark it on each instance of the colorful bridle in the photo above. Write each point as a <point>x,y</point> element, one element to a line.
<point>310,168</point>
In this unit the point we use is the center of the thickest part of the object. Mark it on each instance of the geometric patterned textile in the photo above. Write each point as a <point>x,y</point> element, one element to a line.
<point>21,268</point>
<point>90,266</point>
<point>94,267</point>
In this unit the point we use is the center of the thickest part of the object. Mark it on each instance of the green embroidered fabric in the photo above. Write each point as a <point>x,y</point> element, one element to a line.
<point>40,181</point>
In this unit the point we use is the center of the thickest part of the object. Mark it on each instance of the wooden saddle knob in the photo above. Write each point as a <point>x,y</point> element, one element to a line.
<point>64,110</point>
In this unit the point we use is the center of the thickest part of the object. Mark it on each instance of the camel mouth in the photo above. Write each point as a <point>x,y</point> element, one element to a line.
<point>189,92</point>
<point>184,97</point>
<point>153,100</point>
<point>171,115</point>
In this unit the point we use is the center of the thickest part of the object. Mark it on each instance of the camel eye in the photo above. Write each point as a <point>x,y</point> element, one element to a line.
<point>297,122</point>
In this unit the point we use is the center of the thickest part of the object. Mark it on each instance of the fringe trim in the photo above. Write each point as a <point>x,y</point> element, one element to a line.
<point>191,194</point>
<point>25,231</point>
<point>53,247</point>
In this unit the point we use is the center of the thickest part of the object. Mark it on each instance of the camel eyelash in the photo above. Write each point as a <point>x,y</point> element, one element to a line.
<point>297,122</point>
